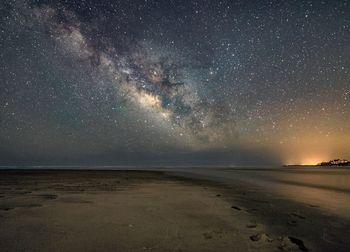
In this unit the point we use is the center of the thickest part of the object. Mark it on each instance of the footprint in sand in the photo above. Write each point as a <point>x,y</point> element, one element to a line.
<point>313,206</point>
<point>207,236</point>
<point>292,223</point>
<point>252,224</point>
<point>261,237</point>
<point>298,216</point>
<point>236,208</point>
<point>290,243</point>
<point>214,234</point>
<point>251,210</point>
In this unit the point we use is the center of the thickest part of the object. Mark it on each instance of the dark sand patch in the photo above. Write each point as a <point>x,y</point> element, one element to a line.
<point>47,196</point>
<point>75,200</point>
<point>6,208</point>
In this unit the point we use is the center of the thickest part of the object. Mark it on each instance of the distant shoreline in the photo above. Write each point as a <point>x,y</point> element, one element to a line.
<point>318,165</point>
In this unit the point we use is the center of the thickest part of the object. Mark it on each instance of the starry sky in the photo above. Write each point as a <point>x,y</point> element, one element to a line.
<point>174,82</point>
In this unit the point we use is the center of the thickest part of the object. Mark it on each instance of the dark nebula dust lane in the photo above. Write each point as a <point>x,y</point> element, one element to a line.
<point>119,82</point>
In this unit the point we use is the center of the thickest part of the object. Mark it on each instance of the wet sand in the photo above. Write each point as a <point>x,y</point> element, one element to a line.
<point>153,211</point>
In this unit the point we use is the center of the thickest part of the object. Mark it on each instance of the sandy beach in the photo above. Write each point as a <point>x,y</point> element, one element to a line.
<point>153,211</point>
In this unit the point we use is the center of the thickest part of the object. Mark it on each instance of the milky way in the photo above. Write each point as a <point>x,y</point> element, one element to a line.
<point>174,81</point>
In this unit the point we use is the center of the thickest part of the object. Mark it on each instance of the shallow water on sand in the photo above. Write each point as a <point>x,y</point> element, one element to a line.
<point>327,188</point>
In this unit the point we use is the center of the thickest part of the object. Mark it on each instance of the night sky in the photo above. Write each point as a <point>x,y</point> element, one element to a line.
<point>174,82</point>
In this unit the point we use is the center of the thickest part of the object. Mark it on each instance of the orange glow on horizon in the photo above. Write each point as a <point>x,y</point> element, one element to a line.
<point>307,161</point>
<point>312,161</point>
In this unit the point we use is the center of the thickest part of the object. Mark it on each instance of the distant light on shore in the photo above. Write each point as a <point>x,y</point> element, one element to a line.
<point>307,161</point>
<point>312,161</point>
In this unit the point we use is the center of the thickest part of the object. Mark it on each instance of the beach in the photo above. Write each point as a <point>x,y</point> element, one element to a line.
<point>125,210</point>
